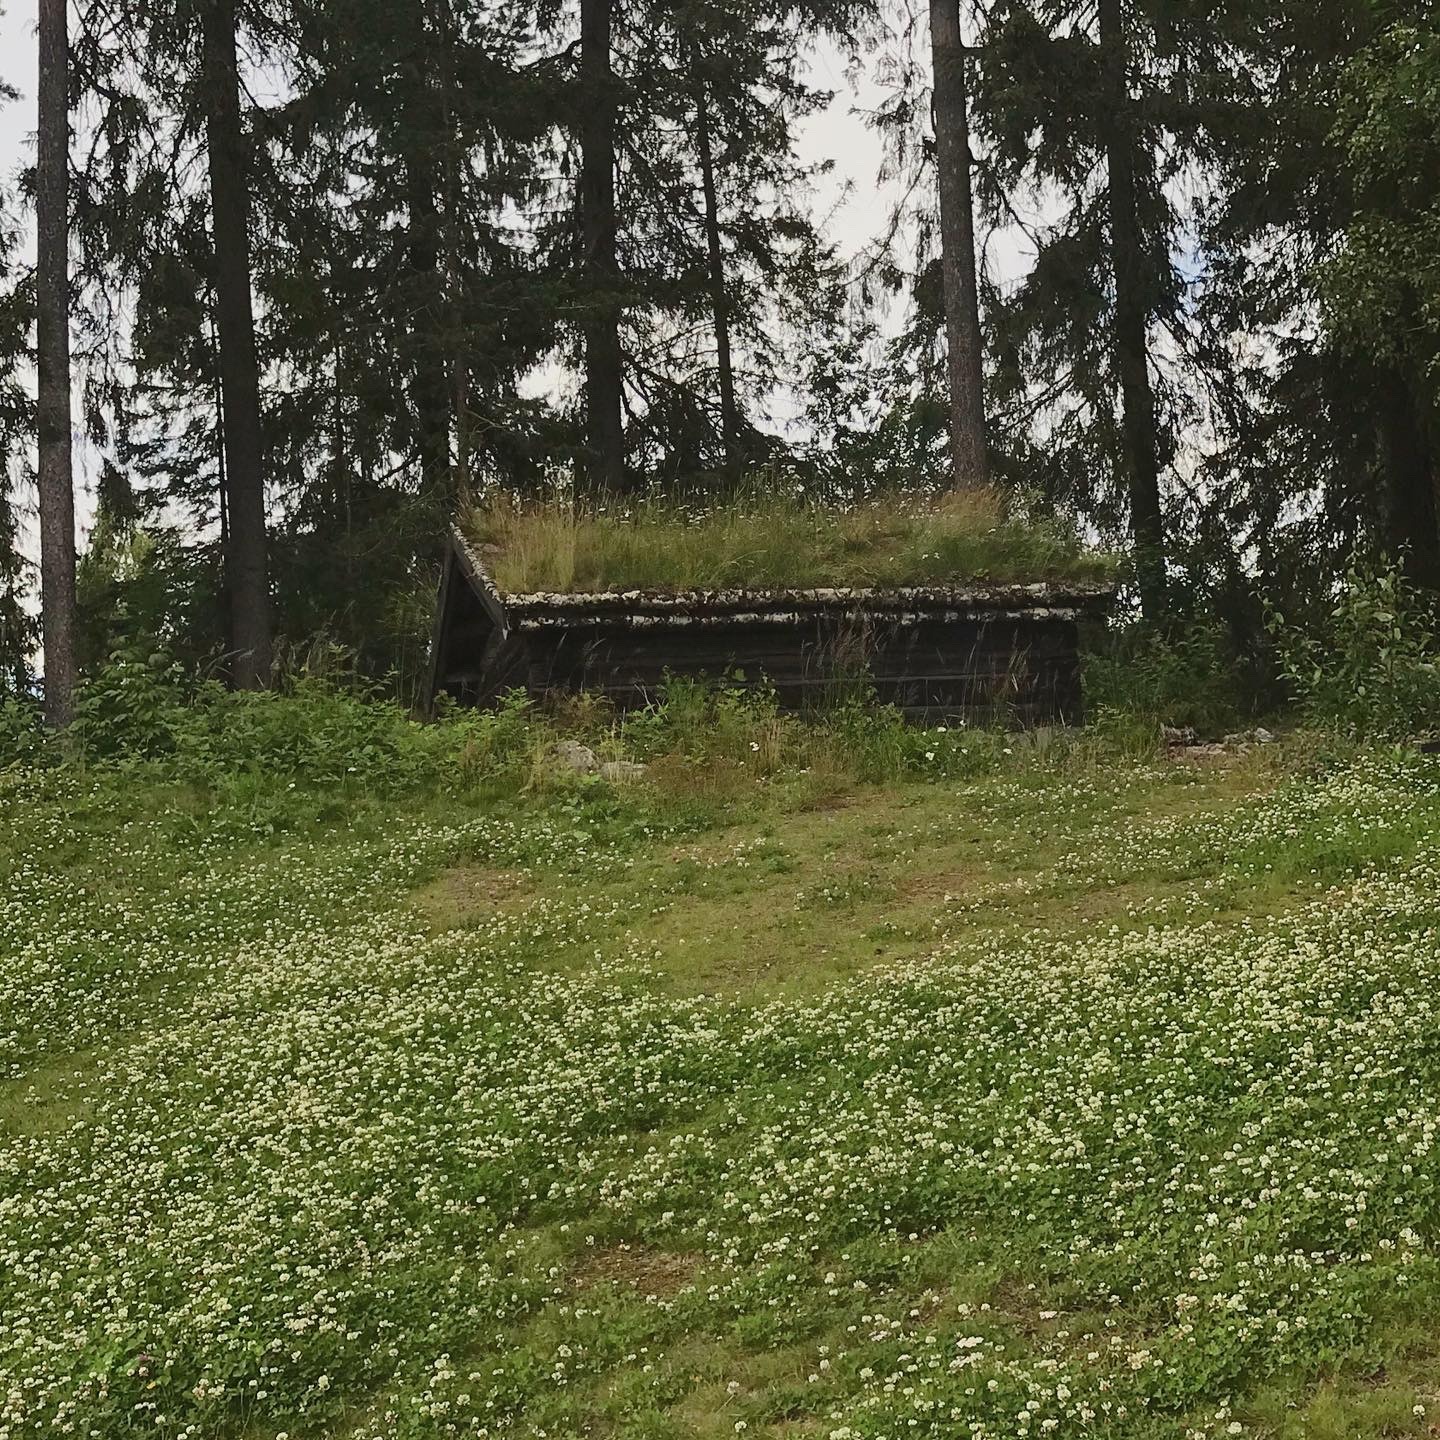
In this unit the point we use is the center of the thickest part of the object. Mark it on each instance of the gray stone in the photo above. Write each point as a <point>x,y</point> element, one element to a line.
<point>573,756</point>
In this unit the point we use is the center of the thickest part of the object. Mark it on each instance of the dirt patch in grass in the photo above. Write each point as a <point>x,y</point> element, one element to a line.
<point>789,900</point>
<point>658,1273</point>
<point>469,893</point>
<point>940,883</point>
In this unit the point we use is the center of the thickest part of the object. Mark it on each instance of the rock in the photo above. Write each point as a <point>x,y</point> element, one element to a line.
<point>1243,739</point>
<point>619,771</point>
<point>573,756</point>
<point>577,759</point>
<point>1202,754</point>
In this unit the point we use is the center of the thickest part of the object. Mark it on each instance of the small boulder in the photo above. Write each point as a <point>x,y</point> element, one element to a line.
<point>577,758</point>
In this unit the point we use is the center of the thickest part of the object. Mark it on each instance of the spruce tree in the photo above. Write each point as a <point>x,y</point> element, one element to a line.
<point>1094,119</point>
<point>52,363</point>
<point>951,115</point>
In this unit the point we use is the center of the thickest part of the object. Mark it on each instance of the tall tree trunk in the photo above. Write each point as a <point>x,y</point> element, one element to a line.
<point>957,244</point>
<point>246,566</point>
<point>455,358</point>
<point>52,284</point>
<point>1412,526</point>
<point>1132,324</point>
<point>430,389</point>
<point>719,300</point>
<point>603,378</point>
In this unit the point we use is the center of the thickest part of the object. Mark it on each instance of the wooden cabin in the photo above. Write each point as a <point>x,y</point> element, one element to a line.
<point>984,653</point>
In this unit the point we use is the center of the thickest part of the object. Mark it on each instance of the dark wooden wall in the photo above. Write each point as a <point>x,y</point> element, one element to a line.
<point>1022,670</point>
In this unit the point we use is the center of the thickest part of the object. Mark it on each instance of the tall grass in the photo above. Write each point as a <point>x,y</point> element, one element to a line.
<point>771,543</point>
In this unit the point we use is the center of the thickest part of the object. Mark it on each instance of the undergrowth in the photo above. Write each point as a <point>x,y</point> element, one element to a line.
<point>140,715</point>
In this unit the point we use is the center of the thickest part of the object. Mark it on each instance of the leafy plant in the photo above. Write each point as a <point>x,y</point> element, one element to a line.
<point>22,739</point>
<point>1368,668</point>
<point>1151,678</point>
<point>125,708</point>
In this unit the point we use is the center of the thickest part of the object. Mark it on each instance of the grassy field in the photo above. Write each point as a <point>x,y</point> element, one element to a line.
<point>773,544</point>
<point>1072,1099</point>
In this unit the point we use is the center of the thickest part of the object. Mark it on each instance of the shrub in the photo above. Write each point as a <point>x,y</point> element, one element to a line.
<point>309,730</point>
<point>22,737</point>
<point>702,721</point>
<point>1143,677</point>
<point>126,709</point>
<point>1367,669</point>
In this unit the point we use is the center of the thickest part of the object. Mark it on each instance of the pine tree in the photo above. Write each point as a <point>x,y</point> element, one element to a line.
<point>1134,279</point>
<point>1094,118</point>
<point>719,289</point>
<point>1381,285</point>
<point>243,487</point>
<point>52,295</point>
<point>918,416</point>
<point>1319,238</point>
<point>951,108</point>
<point>604,360</point>
<point>391,288</point>
<point>718,264</point>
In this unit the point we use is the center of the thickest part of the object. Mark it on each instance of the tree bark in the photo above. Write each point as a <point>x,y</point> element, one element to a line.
<point>957,244</point>
<point>52,283</point>
<point>246,563</point>
<point>719,300</point>
<point>1132,322</point>
<point>605,469</point>
<point>1411,522</point>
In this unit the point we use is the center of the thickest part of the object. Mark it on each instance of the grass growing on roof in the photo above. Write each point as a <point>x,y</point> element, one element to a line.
<point>775,543</point>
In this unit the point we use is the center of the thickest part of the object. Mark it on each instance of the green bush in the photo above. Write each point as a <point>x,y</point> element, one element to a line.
<point>1146,678</point>
<point>316,735</point>
<point>1367,669</point>
<point>22,737</point>
<point>704,721</point>
<point>311,731</point>
<point>126,709</point>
